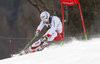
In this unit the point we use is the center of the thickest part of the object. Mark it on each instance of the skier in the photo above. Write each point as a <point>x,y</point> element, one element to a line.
<point>54,32</point>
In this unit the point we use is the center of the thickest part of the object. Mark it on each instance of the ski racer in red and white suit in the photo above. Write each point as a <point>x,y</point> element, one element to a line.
<point>54,32</point>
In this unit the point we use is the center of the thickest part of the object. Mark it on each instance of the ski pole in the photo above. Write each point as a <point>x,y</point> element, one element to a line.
<point>27,44</point>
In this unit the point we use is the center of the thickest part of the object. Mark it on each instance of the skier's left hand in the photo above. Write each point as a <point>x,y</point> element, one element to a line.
<point>44,38</point>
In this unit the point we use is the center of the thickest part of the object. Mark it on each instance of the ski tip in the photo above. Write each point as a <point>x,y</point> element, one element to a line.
<point>14,55</point>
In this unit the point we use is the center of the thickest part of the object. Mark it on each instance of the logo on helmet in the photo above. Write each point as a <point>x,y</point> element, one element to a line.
<point>42,16</point>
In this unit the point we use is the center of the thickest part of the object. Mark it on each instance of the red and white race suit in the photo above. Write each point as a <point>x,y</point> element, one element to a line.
<point>55,28</point>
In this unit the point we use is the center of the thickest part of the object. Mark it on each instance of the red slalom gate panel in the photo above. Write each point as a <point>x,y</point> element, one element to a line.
<point>70,2</point>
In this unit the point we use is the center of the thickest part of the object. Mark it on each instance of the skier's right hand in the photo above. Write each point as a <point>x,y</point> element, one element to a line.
<point>37,33</point>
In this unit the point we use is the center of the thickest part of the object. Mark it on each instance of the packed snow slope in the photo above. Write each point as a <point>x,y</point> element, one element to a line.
<point>74,52</point>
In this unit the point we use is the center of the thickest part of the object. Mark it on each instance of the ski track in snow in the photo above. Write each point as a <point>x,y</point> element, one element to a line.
<point>74,52</point>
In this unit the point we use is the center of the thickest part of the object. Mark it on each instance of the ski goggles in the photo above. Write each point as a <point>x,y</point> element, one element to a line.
<point>45,20</point>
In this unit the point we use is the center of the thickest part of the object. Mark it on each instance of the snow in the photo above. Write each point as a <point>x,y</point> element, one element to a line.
<point>74,52</point>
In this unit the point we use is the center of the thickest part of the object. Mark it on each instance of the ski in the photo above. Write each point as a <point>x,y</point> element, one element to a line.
<point>30,50</point>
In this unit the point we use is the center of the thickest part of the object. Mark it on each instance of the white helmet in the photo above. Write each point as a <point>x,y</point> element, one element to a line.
<point>44,16</point>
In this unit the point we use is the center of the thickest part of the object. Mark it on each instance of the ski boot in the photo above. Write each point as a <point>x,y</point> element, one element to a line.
<point>37,46</point>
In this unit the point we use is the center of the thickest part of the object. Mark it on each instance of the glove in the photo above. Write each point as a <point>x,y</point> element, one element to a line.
<point>37,33</point>
<point>44,38</point>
